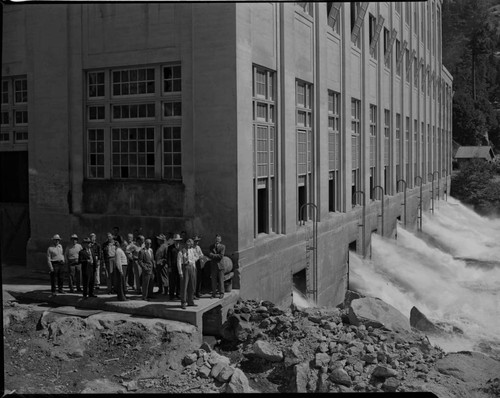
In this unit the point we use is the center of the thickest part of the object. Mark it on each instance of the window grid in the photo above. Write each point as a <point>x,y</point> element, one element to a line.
<point>355,133</point>
<point>131,82</point>
<point>304,127</point>
<point>373,135</point>
<point>20,91</point>
<point>5,92</point>
<point>126,138</point>
<point>172,153</point>
<point>172,79</point>
<point>333,130</point>
<point>95,84</point>
<point>399,65</point>
<point>387,134</point>
<point>133,152</point>
<point>95,153</point>
<point>398,133</point>
<point>14,113</point>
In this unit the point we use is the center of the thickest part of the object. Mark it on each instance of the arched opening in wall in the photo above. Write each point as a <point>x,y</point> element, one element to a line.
<point>374,231</point>
<point>300,281</point>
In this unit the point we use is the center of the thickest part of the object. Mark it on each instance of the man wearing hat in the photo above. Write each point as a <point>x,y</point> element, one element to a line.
<point>55,261</point>
<point>186,263</point>
<point>74,268</point>
<point>87,261</point>
<point>199,266</point>
<point>173,270</point>
<point>216,254</point>
<point>161,265</point>
<point>97,255</point>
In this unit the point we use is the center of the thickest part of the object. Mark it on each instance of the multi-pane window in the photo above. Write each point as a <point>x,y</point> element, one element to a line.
<point>20,91</point>
<point>397,145</point>
<point>5,92</point>
<point>387,135</point>
<point>264,143</point>
<point>406,148</point>
<point>95,84</point>
<point>172,79</point>
<point>334,151</point>
<point>14,113</point>
<point>95,153</point>
<point>373,148</point>
<point>407,63</point>
<point>415,151</point>
<point>387,41</point>
<point>134,123</point>
<point>355,146</point>
<point>372,26</point>
<point>172,153</point>
<point>133,81</point>
<point>356,11</point>
<point>399,64</point>
<point>422,23</point>
<point>422,78</point>
<point>333,11</point>
<point>304,108</point>
<point>133,152</point>
<point>415,72</point>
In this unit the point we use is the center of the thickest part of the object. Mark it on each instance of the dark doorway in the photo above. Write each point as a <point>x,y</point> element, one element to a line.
<point>353,246</point>
<point>300,281</point>
<point>262,214</point>
<point>14,207</point>
<point>302,201</point>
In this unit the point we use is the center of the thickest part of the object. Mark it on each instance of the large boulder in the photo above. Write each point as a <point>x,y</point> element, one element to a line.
<point>470,367</point>
<point>340,376</point>
<point>302,375</point>
<point>267,351</point>
<point>419,321</point>
<point>371,311</point>
<point>238,383</point>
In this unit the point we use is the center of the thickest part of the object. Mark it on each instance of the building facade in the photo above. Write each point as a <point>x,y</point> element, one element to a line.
<point>285,127</point>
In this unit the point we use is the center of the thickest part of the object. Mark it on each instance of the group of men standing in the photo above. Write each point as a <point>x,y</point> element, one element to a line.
<point>176,266</point>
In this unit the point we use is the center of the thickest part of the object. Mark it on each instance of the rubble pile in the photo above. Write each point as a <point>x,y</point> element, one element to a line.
<point>318,350</point>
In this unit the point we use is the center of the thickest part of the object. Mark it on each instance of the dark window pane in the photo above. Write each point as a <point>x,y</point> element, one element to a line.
<point>177,85</point>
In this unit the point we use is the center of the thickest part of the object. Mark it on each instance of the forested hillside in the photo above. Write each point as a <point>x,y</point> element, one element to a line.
<point>471,52</point>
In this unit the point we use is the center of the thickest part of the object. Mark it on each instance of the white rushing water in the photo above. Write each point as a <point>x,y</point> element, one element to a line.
<point>450,272</point>
<point>300,300</point>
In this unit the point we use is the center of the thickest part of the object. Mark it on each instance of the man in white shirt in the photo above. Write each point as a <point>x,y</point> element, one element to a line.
<point>74,267</point>
<point>186,260</point>
<point>55,261</point>
<point>120,267</point>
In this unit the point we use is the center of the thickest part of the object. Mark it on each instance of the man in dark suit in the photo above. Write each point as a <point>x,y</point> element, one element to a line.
<point>146,261</point>
<point>216,254</point>
<point>88,262</point>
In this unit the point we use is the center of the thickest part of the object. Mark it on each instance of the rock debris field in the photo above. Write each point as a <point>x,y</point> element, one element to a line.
<point>262,349</point>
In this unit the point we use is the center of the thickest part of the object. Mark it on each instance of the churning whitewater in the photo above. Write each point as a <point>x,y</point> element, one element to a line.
<point>450,272</point>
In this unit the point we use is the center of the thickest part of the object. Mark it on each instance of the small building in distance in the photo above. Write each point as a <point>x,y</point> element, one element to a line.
<point>467,153</point>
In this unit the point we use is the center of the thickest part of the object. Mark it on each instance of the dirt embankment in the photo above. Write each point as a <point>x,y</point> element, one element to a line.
<point>263,349</point>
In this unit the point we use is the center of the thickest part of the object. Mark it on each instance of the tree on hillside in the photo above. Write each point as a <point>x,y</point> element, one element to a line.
<point>470,47</point>
<point>476,184</point>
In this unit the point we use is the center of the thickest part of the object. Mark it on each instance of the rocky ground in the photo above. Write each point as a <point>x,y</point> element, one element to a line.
<point>263,349</point>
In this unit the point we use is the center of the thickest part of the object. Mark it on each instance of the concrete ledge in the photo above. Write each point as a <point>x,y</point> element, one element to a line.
<point>155,308</point>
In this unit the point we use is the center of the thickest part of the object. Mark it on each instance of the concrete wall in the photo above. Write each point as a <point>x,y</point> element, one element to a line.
<point>217,45</point>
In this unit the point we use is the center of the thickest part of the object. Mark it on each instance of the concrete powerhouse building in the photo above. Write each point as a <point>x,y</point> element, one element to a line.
<point>225,118</point>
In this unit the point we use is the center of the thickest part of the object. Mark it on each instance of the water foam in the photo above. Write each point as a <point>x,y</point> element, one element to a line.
<point>415,270</point>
